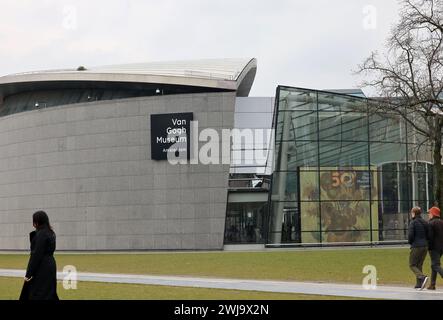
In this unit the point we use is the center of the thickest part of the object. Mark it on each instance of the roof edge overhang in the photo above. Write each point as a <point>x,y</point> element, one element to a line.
<point>15,83</point>
<point>246,78</point>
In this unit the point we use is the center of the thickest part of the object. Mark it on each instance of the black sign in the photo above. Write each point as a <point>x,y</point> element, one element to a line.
<point>170,133</point>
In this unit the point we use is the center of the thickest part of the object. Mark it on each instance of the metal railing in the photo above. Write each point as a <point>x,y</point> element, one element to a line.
<point>250,184</point>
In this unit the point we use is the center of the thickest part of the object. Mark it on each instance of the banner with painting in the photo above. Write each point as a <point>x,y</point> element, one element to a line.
<point>335,204</point>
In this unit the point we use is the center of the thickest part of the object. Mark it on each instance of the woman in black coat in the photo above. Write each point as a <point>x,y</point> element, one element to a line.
<point>41,273</point>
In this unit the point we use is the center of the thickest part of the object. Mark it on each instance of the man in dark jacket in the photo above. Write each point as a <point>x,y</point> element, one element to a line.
<point>418,239</point>
<point>435,244</point>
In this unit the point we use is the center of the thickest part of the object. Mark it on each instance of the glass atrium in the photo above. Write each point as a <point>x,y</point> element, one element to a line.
<point>343,174</point>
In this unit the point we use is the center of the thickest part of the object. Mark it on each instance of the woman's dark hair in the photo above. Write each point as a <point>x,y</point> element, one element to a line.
<point>41,220</point>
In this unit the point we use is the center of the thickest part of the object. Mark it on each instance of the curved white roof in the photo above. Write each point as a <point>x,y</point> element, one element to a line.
<point>230,74</point>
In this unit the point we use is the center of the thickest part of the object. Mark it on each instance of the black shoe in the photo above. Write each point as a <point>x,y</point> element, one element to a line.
<point>431,287</point>
<point>424,282</point>
<point>418,284</point>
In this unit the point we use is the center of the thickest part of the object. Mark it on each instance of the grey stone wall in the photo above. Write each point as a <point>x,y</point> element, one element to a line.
<point>88,166</point>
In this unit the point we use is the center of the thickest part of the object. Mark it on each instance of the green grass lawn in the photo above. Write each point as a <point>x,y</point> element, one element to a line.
<point>10,290</point>
<point>341,266</point>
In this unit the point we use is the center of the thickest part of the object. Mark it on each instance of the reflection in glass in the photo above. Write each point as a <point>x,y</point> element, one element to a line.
<point>387,152</point>
<point>341,153</point>
<point>386,128</point>
<point>302,154</point>
<point>245,223</point>
<point>359,173</point>
<point>343,126</point>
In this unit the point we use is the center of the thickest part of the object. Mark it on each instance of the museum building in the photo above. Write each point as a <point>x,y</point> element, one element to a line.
<point>92,147</point>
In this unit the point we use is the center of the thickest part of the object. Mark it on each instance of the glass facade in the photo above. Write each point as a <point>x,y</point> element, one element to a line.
<point>81,93</point>
<point>245,223</point>
<point>342,173</point>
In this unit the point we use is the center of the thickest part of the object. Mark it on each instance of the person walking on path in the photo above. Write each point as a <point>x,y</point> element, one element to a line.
<point>418,239</point>
<point>435,244</point>
<point>41,273</point>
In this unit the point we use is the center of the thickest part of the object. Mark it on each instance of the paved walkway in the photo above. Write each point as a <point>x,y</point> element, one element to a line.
<point>325,289</point>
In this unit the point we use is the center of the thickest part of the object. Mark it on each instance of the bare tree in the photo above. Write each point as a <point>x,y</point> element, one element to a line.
<point>409,76</point>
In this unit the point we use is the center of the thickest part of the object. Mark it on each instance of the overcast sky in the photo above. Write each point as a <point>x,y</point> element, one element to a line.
<point>304,43</point>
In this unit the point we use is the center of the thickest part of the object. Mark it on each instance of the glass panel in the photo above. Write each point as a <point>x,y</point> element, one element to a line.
<point>338,102</point>
<point>414,136</point>
<point>405,187</point>
<point>245,223</point>
<point>417,152</point>
<point>343,126</point>
<point>394,225</point>
<point>285,222</point>
<point>421,188</point>
<point>303,125</point>
<point>31,100</point>
<point>291,225</point>
<point>343,154</point>
<point>297,125</point>
<point>302,154</point>
<point>297,99</point>
<point>279,128</point>
<point>430,185</point>
<point>386,128</point>
<point>285,186</point>
<point>382,153</point>
<point>400,189</point>
<point>390,191</point>
<point>419,166</point>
